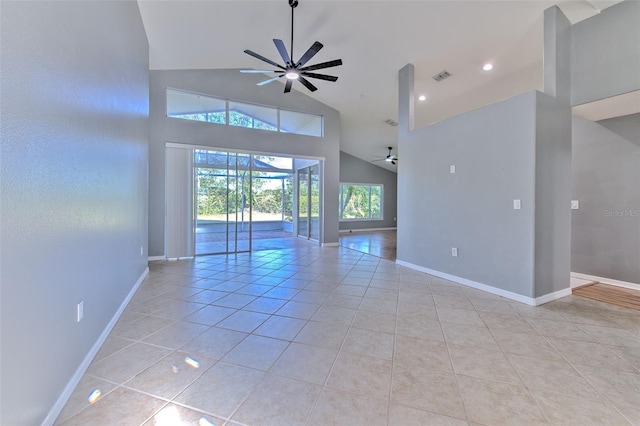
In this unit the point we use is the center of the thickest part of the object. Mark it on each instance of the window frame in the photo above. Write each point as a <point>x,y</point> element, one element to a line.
<point>369,219</point>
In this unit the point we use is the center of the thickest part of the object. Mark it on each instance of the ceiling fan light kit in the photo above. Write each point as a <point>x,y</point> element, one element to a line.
<point>295,70</point>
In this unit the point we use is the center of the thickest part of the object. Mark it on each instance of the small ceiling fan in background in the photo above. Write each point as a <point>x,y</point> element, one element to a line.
<point>295,70</point>
<point>390,158</point>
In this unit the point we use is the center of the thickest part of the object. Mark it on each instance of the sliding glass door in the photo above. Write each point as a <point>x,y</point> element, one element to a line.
<point>308,216</point>
<point>303,202</point>
<point>220,202</point>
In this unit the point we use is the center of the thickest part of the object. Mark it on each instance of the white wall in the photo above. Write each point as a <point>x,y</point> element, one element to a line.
<point>233,85</point>
<point>74,134</point>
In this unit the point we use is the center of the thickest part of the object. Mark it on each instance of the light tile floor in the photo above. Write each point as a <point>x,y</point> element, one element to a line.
<point>324,336</point>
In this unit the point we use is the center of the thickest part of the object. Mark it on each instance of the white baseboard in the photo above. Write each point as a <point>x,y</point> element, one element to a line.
<point>489,289</point>
<point>75,379</point>
<point>550,297</point>
<point>152,258</point>
<point>346,231</point>
<point>330,244</point>
<point>603,280</point>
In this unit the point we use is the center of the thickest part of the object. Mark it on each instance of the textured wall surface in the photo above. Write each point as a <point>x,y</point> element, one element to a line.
<point>74,180</point>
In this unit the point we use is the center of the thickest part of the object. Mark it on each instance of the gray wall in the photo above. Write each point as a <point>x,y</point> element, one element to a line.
<point>493,149</point>
<point>73,195</point>
<point>517,149</point>
<point>355,170</point>
<point>606,181</point>
<point>553,194</point>
<point>234,85</point>
<point>606,53</point>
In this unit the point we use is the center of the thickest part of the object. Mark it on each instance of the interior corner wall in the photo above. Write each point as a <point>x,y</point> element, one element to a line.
<point>606,182</point>
<point>231,84</point>
<point>74,157</point>
<point>606,53</point>
<point>355,170</point>
<point>493,150</point>
<point>552,195</point>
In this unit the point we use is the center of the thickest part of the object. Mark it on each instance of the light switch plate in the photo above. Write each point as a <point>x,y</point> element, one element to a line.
<point>454,252</point>
<point>517,205</point>
<point>575,204</point>
<point>452,168</point>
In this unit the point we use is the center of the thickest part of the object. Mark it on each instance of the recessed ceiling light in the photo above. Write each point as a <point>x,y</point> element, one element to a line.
<point>487,67</point>
<point>422,98</point>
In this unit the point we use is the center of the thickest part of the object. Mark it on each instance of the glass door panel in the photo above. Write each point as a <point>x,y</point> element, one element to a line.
<point>210,181</point>
<point>314,202</point>
<point>232,202</point>
<point>303,202</point>
<point>244,202</point>
<point>222,202</point>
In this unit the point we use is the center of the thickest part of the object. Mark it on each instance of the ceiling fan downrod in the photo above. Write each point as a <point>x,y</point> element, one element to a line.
<point>293,4</point>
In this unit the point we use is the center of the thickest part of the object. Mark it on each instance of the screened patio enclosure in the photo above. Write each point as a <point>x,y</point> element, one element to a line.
<point>242,201</point>
<point>239,202</point>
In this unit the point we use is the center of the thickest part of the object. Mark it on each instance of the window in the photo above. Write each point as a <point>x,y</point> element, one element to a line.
<point>253,116</point>
<point>360,202</point>
<point>300,123</point>
<point>191,106</point>
<point>209,109</point>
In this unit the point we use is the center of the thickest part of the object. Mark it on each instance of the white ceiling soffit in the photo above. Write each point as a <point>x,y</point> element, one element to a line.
<point>374,39</point>
<point>616,106</point>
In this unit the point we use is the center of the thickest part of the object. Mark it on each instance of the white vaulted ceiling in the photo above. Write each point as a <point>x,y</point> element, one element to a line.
<point>374,39</point>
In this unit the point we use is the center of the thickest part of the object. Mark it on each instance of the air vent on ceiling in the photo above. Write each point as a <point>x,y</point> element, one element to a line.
<point>390,122</point>
<point>443,75</point>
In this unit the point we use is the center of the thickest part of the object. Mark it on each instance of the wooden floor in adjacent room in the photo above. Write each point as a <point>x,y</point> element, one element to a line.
<point>377,243</point>
<point>610,294</point>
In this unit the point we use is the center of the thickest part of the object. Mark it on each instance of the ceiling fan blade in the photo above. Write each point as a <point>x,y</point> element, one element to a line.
<point>262,83</point>
<point>287,87</point>
<point>322,65</point>
<point>306,84</point>
<point>258,71</point>
<point>262,58</point>
<point>283,50</point>
<point>320,76</point>
<point>310,53</point>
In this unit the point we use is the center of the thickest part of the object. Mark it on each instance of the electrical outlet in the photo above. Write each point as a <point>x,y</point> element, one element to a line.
<point>454,252</point>
<point>517,204</point>
<point>80,311</point>
<point>452,168</point>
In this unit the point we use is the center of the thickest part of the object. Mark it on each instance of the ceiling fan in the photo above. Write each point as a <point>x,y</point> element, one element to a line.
<point>295,70</point>
<point>393,159</point>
